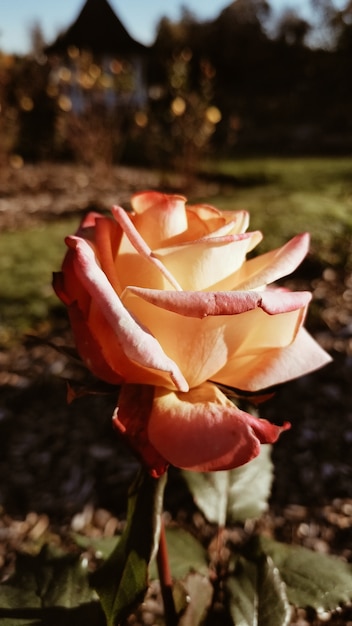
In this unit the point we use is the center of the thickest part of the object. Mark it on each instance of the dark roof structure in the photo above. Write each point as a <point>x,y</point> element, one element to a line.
<point>98,29</point>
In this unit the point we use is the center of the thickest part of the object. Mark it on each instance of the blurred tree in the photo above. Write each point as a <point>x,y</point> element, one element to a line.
<point>327,24</point>
<point>8,112</point>
<point>292,29</point>
<point>182,115</point>
<point>28,93</point>
<point>224,84</point>
<point>343,23</point>
<point>37,42</point>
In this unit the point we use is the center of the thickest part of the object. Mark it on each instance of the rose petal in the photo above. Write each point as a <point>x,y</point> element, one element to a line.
<point>202,220</point>
<point>229,228</point>
<point>253,372</point>
<point>140,245</point>
<point>199,265</point>
<point>86,227</point>
<point>68,287</point>
<point>138,345</point>
<point>201,304</point>
<point>273,265</point>
<point>130,420</point>
<point>93,350</point>
<point>241,219</point>
<point>203,431</point>
<point>159,217</point>
<point>203,346</point>
<point>213,218</point>
<point>66,284</point>
<point>107,239</point>
<point>144,201</point>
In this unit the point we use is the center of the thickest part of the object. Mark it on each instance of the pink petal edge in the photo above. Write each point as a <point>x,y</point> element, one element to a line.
<point>201,304</point>
<point>138,344</point>
<point>273,265</point>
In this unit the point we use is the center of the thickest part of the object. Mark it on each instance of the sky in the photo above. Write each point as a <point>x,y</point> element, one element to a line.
<point>140,17</point>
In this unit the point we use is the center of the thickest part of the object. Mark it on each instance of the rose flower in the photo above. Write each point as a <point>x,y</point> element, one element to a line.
<point>163,303</point>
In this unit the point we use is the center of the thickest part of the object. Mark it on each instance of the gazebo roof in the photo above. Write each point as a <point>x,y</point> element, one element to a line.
<point>97,28</point>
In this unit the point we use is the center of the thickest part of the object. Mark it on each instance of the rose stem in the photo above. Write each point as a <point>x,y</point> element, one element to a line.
<point>166,579</point>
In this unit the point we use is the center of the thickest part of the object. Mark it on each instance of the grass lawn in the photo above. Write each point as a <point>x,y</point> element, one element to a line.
<point>288,196</point>
<point>27,260</point>
<point>284,197</point>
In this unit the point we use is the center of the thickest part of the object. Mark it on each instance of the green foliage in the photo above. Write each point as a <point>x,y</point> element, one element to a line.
<point>186,554</point>
<point>123,579</point>
<point>312,579</point>
<point>257,594</point>
<point>236,495</point>
<point>268,576</point>
<point>104,546</point>
<point>262,577</point>
<point>27,260</point>
<point>48,589</point>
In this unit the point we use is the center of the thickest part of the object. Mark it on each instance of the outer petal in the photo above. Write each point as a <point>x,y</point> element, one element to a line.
<point>201,304</point>
<point>138,345</point>
<point>86,227</point>
<point>269,267</point>
<point>108,237</point>
<point>130,420</point>
<point>203,431</point>
<point>92,349</point>
<point>103,235</point>
<point>273,366</point>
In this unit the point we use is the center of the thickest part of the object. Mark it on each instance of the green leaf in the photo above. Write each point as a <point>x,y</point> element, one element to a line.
<point>102,545</point>
<point>48,589</point>
<point>186,554</point>
<point>234,495</point>
<point>312,579</point>
<point>257,594</point>
<point>46,580</point>
<point>122,580</point>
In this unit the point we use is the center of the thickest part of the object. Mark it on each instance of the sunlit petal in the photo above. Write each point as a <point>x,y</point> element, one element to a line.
<point>201,304</point>
<point>140,245</point>
<point>137,344</point>
<point>159,217</point>
<point>204,346</point>
<point>262,369</point>
<point>273,265</point>
<point>200,264</point>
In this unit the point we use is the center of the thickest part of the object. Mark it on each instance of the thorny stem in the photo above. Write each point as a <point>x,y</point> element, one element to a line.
<point>171,618</point>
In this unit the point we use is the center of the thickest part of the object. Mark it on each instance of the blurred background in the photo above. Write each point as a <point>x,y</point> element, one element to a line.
<point>254,78</point>
<point>241,105</point>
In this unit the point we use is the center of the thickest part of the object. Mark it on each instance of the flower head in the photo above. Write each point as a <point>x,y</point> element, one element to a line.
<point>164,303</point>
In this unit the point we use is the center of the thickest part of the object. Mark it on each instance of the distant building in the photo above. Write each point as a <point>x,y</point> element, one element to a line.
<point>96,62</point>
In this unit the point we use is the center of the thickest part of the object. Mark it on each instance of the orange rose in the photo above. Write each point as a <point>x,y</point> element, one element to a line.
<point>163,302</point>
